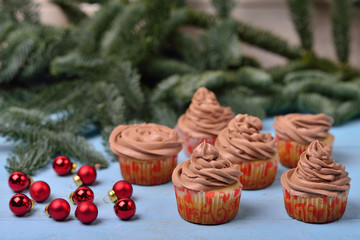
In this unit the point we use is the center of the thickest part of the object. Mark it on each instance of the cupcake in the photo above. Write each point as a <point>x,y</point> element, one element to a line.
<point>255,152</point>
<point>203,120</point>
<point>294,132</point>
<point>147,153</point>
<point>316,191</point>
<point>207,187</point>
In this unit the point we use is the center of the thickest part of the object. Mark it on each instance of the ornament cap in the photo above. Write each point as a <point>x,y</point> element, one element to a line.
<point>112,195</point>
<point>31,181</point>
<point>73,167</point>
<point>77,180</point>
<point>32,205</point>
<point>47,211</point>
<point>71,197</point>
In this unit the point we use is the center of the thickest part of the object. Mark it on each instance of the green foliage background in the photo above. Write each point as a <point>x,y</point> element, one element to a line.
<point>132,62</point>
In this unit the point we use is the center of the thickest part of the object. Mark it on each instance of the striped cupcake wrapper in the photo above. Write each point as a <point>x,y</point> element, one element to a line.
<point>315,209</point>
<point>147,172</point>
<point>208,207</point>
<point>259,173</point>
<point>290,151</point>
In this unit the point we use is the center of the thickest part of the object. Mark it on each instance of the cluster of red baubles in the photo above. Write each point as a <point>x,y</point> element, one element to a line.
<point>83,196</point>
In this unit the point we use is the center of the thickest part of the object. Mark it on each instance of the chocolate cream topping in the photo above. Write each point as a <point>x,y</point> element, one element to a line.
<point>205,170</point>
<point>205,117</point>
<point>242,141</point>
<point>302,128</point>
<point>316,174</point>
<point>144,141</point>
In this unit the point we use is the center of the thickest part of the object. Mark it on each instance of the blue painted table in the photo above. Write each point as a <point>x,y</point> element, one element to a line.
<point>261,215</point>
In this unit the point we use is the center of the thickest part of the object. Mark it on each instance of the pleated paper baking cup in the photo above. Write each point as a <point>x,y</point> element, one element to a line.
<point>258,174</point>
<point>290,151</point>
<point>147,172</point>
<point>189,144</point>
<point>208,207</point>
<point>315,209</point>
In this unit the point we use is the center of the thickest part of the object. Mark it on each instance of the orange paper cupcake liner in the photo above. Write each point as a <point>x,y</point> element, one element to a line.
<point>290,151</point>
<point>258,174</point>
<point>189,144</point>
<point>208,207</point>
<point>315,209</point>
<point>147,172</point>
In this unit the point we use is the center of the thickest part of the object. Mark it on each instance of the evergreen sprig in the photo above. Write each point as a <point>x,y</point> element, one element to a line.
<point>342,15</point>
<point>133,62</point>
<point>301,14</point>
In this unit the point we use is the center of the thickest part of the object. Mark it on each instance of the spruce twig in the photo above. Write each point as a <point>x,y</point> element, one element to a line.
<point>301,14</point>
<point>341,23</point>
<point>223,7</point>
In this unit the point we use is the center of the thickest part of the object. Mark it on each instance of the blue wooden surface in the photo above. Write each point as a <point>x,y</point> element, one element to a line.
<point>261,214</point>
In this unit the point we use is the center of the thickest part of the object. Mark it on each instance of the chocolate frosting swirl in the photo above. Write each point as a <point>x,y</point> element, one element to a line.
<point>144,141</point>
<point>205,170</point>
<point>242,141</point>
<point>205,117</point>
<point>316,174</point>
<point>302,128</point>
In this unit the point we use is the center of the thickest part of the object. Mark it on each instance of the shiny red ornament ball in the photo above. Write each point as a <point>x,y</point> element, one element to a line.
<point>86,212</point>
<point>86,175</point>
<point>39,191</point>
<point>82,194</point>
<point>125,208</point>
<point>20,204</point>
<point>18,181</point>
<point>58,209</point>
<point>121,189</point>
<point>63,166</point>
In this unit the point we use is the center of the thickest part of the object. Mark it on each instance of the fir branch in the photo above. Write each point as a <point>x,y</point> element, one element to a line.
<point>254,78</point>
<point>301,14</point>
<point>12,66</point>
<point>190,50</point>
<point>223,7</point>
<point>28,158</point>
<point>278,73</point>
<point>243,104</point>
<point>20,10</point>
<point>163,114</point>
<point>247,33</point>
<point>341,21</point>
<point>161,68</point>
<point>127,81</point>
<point>110,105</point>
<point>316,103</point>
<point>102,20</point>
<point>79,148</point>
<point>71,9</point>
<point>76,64</point>
<point>221,46</point>
<point>309,74</point>
<point>105,134</point>
<point>163,91</point>
<point>346,111</point>
<point>267,41</point>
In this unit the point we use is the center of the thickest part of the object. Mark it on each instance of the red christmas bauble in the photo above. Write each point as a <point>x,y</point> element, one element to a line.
<point>20,204</point>
<point>58,209</point>
<point>125,208</point>
<point>121,189</point>
<point>86,175</point>
<point>39,191</point>
<point>82,194</point>
<point>86,212</point>
<point>18,181</point>
<point>63,166</point>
